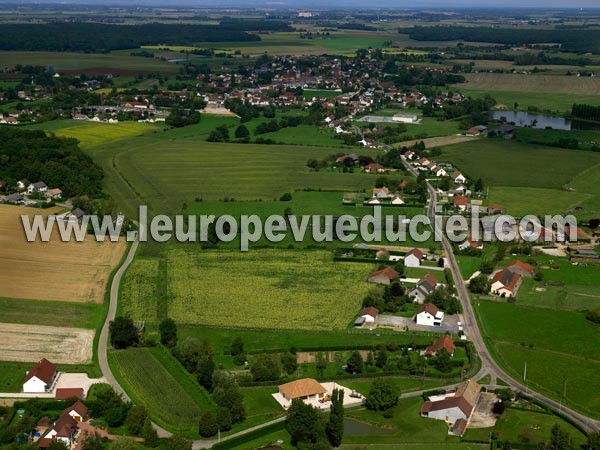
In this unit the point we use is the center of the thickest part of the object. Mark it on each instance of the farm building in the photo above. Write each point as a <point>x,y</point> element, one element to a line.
<point>472,244</point>
<point>479,130</point>
<point>521,268</point>
<point>40,187</point>
<point>505,283</point>
<point>381,193</point>
<point>583,256</point>
<point>443,342</point>
<point>369,314</point>
<point>454,408</point>
<point>413,258</point>
<point>405,118</point>
<point>429,315</point>
<point>40,378</point>
<point>374,168</point>
<point>304,389</point>
<point>383,276</point>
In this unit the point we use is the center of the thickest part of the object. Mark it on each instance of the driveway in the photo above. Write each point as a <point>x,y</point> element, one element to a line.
<point>450,323</point>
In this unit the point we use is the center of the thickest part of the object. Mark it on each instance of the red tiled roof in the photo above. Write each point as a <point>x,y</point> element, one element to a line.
<point>371,311</point>
<point>444,342</point>
<point>387,272</point>
<point>418,253</point>
<point>79,408</point>
<point>429,278</point>
<point>460,200</point>
<point>65,393</point>
<point>44,370</point>
<point>428,307</point>
<point>521,265</point>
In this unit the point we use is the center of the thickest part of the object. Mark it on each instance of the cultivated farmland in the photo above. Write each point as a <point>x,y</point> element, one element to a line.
<point>264,289</point>
<point>533,83</point>
<point>61,345</point>
<point>156,380</point>
<point>55,270</point>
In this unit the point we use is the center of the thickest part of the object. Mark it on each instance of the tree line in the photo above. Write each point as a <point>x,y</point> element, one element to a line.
<point>57,161</point>
<point>103,37</point>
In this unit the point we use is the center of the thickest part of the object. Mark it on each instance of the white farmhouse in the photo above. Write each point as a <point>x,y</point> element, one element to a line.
<point>413,258</point>
<point>429,315</point>
<point>40,378</point>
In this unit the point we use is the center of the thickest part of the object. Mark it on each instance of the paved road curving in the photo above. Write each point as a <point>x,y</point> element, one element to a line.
<point>471,327</point>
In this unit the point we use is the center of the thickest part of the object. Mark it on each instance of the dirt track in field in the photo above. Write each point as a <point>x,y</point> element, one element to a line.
<point>32,343</point>
<point>436,141</point>
<point>55,270</point>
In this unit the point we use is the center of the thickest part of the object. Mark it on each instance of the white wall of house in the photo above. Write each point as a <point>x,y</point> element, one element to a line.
<point>412,261</point>
<point>424,318</point>
<point>34,384</point>
<point>369,318</point>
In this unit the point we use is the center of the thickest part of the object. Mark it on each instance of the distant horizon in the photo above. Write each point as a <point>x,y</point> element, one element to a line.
<point>322,5</point>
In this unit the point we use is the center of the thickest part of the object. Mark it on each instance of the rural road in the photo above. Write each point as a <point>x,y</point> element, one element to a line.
<point>473,333</point>
<point>488,365</point>
<point>112,311</point>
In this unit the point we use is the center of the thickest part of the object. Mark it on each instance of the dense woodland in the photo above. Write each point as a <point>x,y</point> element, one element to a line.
<point>577,40</point>
<point>59,162</point>
<point>102,37</point>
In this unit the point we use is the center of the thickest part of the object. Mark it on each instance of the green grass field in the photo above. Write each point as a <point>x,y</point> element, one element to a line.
<point>506,163</point>
<point>543,101</point>
<point>155,379</point>
<point>525,428</point>
<point>269,289</point>
<point>506,166</point>
<point>258,340</point>
<point>564,340</point>
<point>165,174</point>
<point>41,312</point>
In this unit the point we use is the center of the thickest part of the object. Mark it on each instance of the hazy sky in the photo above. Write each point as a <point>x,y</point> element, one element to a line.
<point>410,4</point>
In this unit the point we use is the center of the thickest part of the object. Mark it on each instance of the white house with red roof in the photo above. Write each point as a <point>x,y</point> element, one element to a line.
<point>40,378</point>
<point>429,315</point>
<point>413,258</point>
<point>369,314</point>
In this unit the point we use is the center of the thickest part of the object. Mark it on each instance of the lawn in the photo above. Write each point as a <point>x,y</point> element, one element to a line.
<point>525,428</point>
<point>270,289</point>
<point>564,340</point>
<point>42,312</point>
<point>12,375</point>
<point>406,426</point>
<point>155,379</point>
